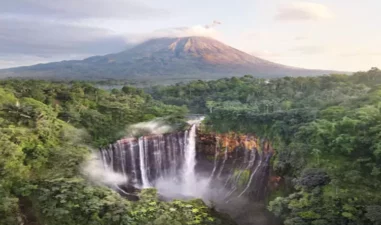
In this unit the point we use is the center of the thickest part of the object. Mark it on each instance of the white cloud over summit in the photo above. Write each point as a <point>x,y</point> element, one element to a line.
<point>208,30</point>
<point>197,30</point>
<point>325,34</point>
<point>39,31</point>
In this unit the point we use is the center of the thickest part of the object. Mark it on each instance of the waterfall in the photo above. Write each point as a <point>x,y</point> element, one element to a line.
<point>168,162</point>
<point>190,161</point>
<point>134,173</point>
<point>223,162</point>
<point>214,163</point>
<point>251,179</point>
<point>123,158</point>
<point>150,158</point>
<point>251,163</point>
<point>143,164</point>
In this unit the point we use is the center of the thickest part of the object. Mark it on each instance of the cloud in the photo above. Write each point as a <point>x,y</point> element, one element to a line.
<point>300,38</point>
<point>266,54</point>
<point>214,24</point>
<point>25,42</point>
<point>309,49</point>
<point>14,60</point>
<point>46,30</point>
<point>49,38</point>
<point>74,9</point>
<point>28,40</point>
<point>360,53</point>
<point>197,30</point>
<point>301,11</point>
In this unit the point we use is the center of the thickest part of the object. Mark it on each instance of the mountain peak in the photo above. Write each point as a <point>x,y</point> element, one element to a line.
<point>190,43</point>
<point>194,57</point>
<point>197,47</point>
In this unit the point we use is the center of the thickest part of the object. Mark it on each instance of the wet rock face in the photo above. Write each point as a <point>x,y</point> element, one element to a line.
<point>231,172</point>
<point>144,160</point>
<point>240,162</point>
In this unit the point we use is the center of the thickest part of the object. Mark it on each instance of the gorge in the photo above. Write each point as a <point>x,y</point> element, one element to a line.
<point>228,171</point>
<point>325,168</point>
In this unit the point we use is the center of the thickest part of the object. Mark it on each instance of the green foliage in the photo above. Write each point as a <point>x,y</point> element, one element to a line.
<point>326,131</point>
<point>73,201</point>
<point>373,213</point>
<point>9,209</point>
<point>311,178</point>
<point>103,114</point>
<point>264,96</point>
<point>152,211</point>
<point>243,177</point>
<point>45,131</point>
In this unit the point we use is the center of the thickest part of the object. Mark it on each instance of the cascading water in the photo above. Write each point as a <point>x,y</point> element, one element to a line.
<point>214,164</point>
<point>228,170</point>
<point>168,163</point>
<point>223,162</point>
<point>133,162</point>
<point>143,163</point>
<point>190,162</point>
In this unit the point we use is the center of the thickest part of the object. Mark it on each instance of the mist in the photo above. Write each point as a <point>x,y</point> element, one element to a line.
<point>95,170</point>
<point>153,127</point>
<point>154,155</point>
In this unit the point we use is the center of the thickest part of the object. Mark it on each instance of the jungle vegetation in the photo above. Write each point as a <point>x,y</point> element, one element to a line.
<point>326,131</point>
<point>46,132</point>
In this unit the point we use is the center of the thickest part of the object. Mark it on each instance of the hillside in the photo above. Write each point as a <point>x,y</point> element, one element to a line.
<point>179,58</point>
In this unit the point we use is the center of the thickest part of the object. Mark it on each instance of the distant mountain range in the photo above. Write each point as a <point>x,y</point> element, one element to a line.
<point>164,58</point>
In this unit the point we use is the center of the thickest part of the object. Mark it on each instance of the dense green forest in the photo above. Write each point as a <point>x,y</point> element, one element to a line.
<point>326,131</point>
<point>46,132</point>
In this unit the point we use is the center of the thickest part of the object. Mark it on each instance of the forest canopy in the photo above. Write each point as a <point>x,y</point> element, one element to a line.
<point>326,131</point>
<point>46,132</point>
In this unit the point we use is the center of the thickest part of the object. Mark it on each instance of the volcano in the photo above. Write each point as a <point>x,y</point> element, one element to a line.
<point>164,58</point>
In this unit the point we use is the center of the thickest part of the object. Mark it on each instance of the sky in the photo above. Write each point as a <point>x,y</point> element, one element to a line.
<point>323,34</point>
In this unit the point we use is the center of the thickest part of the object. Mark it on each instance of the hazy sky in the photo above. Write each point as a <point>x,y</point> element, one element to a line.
<point>323,34</point>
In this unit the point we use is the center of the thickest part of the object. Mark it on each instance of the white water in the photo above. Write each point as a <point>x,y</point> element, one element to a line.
<point>99,172</point>
<point>251,179</point>
<point>143,167</point>
<point>133,163</point>
<point>147,128</point>
<point>214,164</point>
<point>190,184</point>
<point>167,162</point>
<point>190,162</point>
<point>223,162</point>
<point>123,158</point>
<point>251,163</point>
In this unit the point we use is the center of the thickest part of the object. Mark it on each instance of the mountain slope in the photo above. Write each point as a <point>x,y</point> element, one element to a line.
<point>182,58</point>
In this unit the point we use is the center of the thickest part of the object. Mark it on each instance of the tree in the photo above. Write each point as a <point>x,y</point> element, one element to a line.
<point>373,213</point>
<point>210,105</point>
<point>312,177</point>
